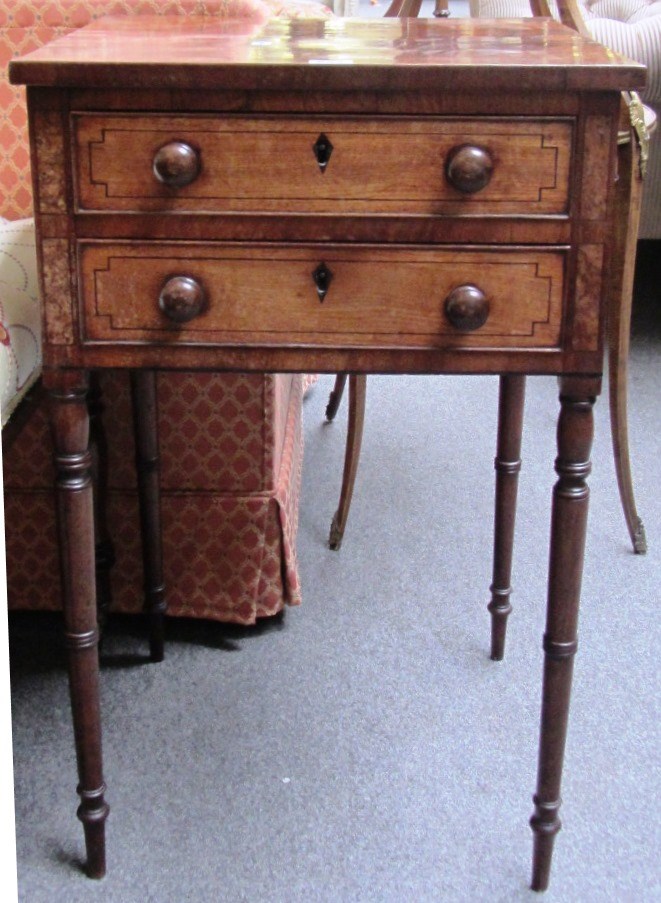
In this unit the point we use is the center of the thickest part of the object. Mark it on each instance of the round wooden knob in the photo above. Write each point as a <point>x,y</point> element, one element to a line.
<point>182,298</point>
<point>467,308</point>
<point>469,168</point>
<point>176,164</point>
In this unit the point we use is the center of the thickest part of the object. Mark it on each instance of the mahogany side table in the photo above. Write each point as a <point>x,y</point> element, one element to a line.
<point>392,196</point>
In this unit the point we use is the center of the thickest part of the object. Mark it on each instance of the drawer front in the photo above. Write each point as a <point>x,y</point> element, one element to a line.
<point>322,165</point>
<point>361,296</point>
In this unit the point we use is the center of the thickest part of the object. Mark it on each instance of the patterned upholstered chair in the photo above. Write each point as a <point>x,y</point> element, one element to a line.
<point>230,443</point>
<point>633,28</point>
<point>630,27</point>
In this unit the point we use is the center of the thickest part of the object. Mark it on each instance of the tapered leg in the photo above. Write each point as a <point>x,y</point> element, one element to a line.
<point>70,431</point>
<point>104,548</point>
<point>568,528</point>
<point>335,396</point>
<point>145,424</point>
<point>629,189</point>
<point>507,465</point>
<point>357,394</point>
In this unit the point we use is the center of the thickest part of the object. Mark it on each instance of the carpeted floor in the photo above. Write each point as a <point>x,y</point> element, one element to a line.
<point>364,747</point>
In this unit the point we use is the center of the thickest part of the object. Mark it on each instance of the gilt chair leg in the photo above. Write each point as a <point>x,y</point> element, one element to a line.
<point>357,394</point>
<point>629,190</point>
<point>143,392</point>
<point>617,390</point>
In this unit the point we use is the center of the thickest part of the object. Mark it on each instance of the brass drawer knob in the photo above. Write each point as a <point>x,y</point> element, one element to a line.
<point>467,308</point>
<point>182,298</point>
<point>176,164</point>
<point>468,168</point>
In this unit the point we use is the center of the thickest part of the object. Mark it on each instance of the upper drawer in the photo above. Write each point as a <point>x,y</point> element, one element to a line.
<point>323,164</point>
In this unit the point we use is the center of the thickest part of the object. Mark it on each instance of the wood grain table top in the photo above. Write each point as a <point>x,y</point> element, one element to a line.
<point>327,54</point>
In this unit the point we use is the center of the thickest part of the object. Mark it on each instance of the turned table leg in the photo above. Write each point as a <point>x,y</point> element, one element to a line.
<point>70,431</point>
<point>145,430</point>
<point>507,465</point>
<point>568,528</point>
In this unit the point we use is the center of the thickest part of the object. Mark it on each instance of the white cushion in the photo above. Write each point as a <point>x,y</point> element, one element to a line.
<point>20,314</point>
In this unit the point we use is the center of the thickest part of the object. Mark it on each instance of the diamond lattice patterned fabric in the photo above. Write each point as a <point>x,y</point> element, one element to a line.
<point>24,26</point>
<point>229,553</point>
<point>231,444</point>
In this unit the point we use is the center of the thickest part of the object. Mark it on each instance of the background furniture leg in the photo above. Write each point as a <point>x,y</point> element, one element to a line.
<point>335,396</point>
<point>145,429</point>
<point>568,528</point>
<point>629,191</point>
<point>357,394</point>
<point>507,464</point>
<point>73,485</point>
<point>104,549</point>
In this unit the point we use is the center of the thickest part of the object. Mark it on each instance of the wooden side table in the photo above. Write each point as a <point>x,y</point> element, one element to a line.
<point>400,196</point>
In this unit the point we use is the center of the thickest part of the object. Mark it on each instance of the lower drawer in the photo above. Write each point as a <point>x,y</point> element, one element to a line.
<point>358,296</point>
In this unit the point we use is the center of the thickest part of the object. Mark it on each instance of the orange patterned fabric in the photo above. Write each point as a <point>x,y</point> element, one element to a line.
<point>28,24</point>
<point>229,551</point>
<point>231,444</point>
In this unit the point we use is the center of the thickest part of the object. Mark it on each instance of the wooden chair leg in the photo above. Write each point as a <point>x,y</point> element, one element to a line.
<point>507,465</point>
<point>145,424</point>
<point>357,394</point>
<point>335,396</point>
<point>629,190</point>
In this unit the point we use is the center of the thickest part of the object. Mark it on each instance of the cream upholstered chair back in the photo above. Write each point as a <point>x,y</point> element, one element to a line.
<point>630,27</point>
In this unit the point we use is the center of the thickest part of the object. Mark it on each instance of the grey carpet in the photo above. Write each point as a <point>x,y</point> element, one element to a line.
<point>364,747</point>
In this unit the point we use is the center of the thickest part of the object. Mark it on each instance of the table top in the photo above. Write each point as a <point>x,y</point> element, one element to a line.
<point>327,54</point>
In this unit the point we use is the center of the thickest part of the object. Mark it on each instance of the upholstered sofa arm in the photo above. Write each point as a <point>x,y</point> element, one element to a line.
<point>20,317</point>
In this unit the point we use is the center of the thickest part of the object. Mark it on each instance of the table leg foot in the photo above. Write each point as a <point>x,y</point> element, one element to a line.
<point>545,825</point>
<point>93,812</point>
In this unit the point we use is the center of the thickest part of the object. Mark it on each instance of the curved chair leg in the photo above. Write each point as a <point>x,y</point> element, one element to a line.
<point>629,190</point>
<point>357,394</point>
<point>335,396</point>
<point>617,388</point>
<point>145,426</point>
